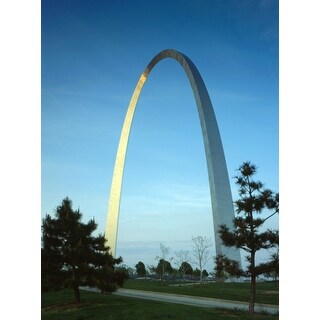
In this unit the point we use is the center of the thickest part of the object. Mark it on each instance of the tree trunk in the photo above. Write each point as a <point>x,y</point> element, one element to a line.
<point>76,293</point>
<point>75,286</point>
<point>252,284</point>
<point>252,262</point>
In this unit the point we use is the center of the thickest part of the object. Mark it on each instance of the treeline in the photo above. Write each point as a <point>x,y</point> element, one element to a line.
<point>165,270</point>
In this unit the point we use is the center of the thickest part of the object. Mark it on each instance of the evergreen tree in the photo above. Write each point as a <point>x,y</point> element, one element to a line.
<point>162,268</point>
<point>205,273</point>
<point>185,269</point>
<point>254,200</point>
<point>141,269</point>
<point>225,267</point>
<point>72,256</point>
<point>271,268</point>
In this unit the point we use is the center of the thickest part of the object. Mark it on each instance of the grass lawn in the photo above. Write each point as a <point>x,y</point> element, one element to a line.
<point>60,306</point>
<point>266,291</point>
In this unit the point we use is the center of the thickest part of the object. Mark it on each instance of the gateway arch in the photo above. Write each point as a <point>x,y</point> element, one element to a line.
<point>220,192</point>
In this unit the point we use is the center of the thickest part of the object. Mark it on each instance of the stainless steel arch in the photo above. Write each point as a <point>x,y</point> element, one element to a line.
<point>221,198</point>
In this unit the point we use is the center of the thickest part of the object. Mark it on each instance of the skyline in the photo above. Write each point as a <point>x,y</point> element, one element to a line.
<point>92,56</point>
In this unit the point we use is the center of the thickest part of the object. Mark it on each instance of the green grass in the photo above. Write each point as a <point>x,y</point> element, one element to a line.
<point>60,306</point>
<point>266,291</point>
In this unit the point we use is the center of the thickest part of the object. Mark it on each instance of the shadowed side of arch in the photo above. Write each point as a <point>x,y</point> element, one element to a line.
<point>220,192</point>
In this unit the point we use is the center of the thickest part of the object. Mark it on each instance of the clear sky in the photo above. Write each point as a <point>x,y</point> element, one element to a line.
<point>93,53</point>
<point>91,59</point>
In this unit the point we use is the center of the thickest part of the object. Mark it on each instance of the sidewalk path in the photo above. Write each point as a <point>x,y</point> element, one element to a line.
<point>191,300</point>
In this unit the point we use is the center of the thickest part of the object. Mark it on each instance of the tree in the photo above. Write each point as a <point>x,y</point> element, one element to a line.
<point>200,250</point>
<point>141,269</point>
<point>271,268</point>
<point>162,268</point>
<point>72,256</point>
<point>220,267</point>
<point>182,261</point>
<point>131,272</point>
<point>103,271</point>
<point>196,272</point>
<point>225,267</point>
<point>254,200</point>
<point>185,269</point>
<point>151,270</point>
<point>205,273</point>
<point>163,264</point>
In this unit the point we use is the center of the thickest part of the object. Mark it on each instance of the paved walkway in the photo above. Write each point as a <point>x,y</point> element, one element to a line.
<point>191,300</point>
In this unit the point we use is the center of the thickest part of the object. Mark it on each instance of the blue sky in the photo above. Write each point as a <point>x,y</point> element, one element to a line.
<point>92,55</point>
<point>68,168</point>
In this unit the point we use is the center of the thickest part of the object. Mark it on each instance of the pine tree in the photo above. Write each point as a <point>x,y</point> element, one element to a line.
<point>72,256</point>
<point>254,200</point>
<point>225,267</point>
